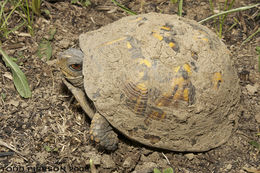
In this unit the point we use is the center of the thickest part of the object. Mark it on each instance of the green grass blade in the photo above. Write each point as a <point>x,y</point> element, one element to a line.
<point>258,52</point>
<point>14,29</point>
<point>92,166</point>
<point>19,79</point>
<point>6,19</point>
<point>250,37</point>
<point>36,6</point>
<point>174,1</point>
<point>229,11</point>
<point>223,18</point>
<point>2,8</point>
<point>123,8</point>
<point>180,7</point>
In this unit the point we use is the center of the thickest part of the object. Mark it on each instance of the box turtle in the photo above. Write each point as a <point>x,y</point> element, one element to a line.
<point>161,80</point>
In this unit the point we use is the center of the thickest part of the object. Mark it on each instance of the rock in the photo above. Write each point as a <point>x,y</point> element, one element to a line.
<point>96,158</point>
<point>257,117</point>
<point>252,89</point>
<point>107,161</point>
<point>228,167</point>
<point>146,167</point>
<point>143,158</point>
<point>127,163</point>
<point>189,156</point>
<point>14,103</point>
<point>64,43</point>
<point>146,151</point>
<point>24,105</point>
<point>154,157</point>
<point>8,75</point>
<point>52,62</point>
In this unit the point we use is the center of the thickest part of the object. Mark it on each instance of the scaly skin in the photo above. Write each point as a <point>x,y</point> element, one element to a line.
<point>70,62</point>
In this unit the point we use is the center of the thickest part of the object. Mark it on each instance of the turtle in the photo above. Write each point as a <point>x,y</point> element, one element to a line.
<point>161,80</point>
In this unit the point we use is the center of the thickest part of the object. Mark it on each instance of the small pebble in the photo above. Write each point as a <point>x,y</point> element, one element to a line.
<point>127,163</point>
<point>154,157</point>
<point>190,156</point>
<point>229,166</point>
<point>146,167</point>
<point>64,43</point>
<point>96,158</point>
<point>252,89</point>
<point>257,117</point>
<point>14,103</point>
<point>107,161</point>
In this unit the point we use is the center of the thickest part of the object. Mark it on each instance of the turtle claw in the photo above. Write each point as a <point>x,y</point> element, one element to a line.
<point>102,133</point>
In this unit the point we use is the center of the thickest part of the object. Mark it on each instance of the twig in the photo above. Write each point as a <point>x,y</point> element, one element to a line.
<point>166,158</point>
<point>3,154</point>
<point>2,143</point>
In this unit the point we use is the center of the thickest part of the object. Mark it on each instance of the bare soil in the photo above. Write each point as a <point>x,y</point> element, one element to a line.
<point>50,131</point>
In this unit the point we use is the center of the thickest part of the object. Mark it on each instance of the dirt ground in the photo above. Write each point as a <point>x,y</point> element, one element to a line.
<point>52,132</point>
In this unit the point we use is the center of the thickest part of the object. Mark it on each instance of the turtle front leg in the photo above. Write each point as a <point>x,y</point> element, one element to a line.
<point>102,133</point>
<point>81,98</point>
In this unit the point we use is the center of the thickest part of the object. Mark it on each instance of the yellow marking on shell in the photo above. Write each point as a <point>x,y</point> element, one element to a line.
<point>177,95</point>
<point>205,39</point>
<point>201,38</point>
<point>142,86</point>
<point>186,94</point>
<point>167,34</point>
<point>176,69</point>
<point>164,101</point>
<point>158,36</point>
<point>187,68</point>
<point>171,44</point>
<point>143,89</point>
<point>157,115</point>
<point>114,41</point>
<point>178,81</point>
<point>140,75</point>
<point>166,28</point>
<point>137,19</point>
<point>138,103</point>
<point>160,103</point>
<point>145,62</point>
<point>129,46</point>
<point>217,77</point>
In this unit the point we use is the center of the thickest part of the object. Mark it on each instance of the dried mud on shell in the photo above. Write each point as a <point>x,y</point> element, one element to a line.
<point>50,130</point>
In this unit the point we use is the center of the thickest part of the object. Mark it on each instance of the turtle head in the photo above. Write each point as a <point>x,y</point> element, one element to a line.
<point>70,62</point>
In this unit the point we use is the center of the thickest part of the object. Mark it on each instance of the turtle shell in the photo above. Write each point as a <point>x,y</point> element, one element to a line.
<point>162,80</point>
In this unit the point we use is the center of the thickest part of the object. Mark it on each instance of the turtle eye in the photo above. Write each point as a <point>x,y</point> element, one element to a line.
<point>76,67</point>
